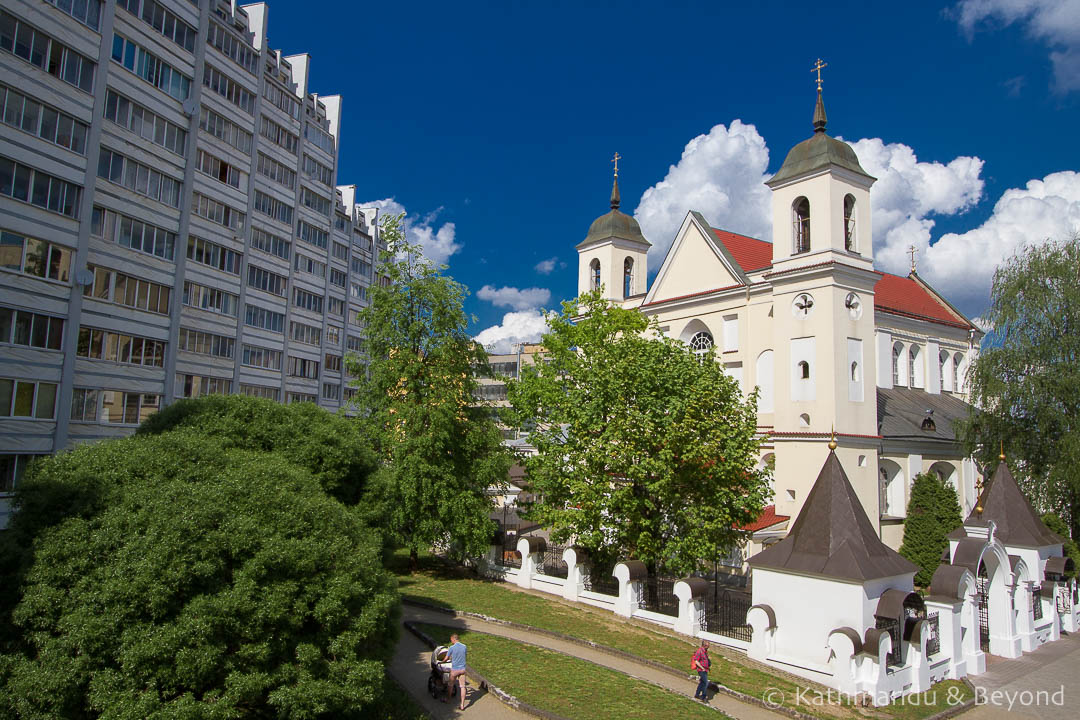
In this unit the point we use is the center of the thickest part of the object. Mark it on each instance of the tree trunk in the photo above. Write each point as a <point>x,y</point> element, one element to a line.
<point>414,560</point>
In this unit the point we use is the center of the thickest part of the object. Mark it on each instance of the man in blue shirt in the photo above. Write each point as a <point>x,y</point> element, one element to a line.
<point>457,668</point>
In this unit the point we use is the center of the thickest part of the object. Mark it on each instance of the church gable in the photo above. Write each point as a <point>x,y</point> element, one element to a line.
<point>695,263</point>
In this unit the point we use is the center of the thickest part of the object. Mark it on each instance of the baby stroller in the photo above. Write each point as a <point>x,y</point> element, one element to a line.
<point>440,673</point>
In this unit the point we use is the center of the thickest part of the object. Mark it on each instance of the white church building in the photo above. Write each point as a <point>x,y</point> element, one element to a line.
<point>830,342</point>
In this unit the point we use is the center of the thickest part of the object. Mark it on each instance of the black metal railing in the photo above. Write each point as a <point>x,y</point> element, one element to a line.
<point>507,554</point>
<point>600,580</point>
<point>933,635</point>
<point>553,564</point>
<point>1064,598</point>
<point>724,612</point>
<point>982,603</point>
<point>892,626</point>
<point>1036,603</point>
<point>659,595</point>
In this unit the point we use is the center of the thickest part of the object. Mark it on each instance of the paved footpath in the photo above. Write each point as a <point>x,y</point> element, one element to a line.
<point>1044,684</point>
<point>730,705</point>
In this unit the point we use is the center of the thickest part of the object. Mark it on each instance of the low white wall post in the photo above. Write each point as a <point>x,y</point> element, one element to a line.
<point>920,675</point>
<point>949,635</point>
<point>532,555</point>
<point>577,565</point>
<point>845,644</point>
<point>631,575</point>
<point>762,622</point>
<point>691,593</point>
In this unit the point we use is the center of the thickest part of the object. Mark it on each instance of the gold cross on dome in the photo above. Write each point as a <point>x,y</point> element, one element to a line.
<point>616,160</point>
<point>912,251</point>
<point>817,68</point>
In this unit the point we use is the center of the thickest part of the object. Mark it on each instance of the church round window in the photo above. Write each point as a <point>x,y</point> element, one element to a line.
<point>701,342</point>
<point>802,305</point>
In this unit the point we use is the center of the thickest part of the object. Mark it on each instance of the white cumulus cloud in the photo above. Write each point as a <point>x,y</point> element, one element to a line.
<point>516,327</point>
<point>962,264</point>
<point>720,174</point>
<point>546,267</point>
<point>1056,23</point>
<point>516,298</point>
<point>908,193</point>
<point>439,243</point>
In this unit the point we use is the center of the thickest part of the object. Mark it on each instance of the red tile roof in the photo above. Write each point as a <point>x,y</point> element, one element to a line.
<point>751,254</point>
<point>768,518</point>
<point>892,293</point>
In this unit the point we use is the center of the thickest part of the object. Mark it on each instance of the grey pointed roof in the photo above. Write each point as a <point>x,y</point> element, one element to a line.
<point>833,536</point>
<point>1017,522</point>
<point>614,224</point>
<point>819,151</point>
<point>901,411</point>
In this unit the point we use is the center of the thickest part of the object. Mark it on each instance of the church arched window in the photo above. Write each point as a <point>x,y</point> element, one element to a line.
<point>804,370</point>
<point>946,370</point>
<point>899,365</point>
<point>849,224</point>
<point>854,372</point>
<point>594,272</point>
<point>701,343</point>
<point>628,277</point>
<point>915,367</point>
<point>800,212</point>
<point>958,378</point>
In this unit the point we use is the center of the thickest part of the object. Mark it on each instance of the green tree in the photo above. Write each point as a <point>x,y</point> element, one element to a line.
<point>933,512</point>
<point>1026,379</point>
<point>332,447</point>
<point>172,576</point>
<point>442,452</point>
<point>645,450</point>
<point>1070,548</point>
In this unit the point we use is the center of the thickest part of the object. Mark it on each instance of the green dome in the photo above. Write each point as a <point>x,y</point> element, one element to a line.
<point>819,151</point>
<point>614,224</point>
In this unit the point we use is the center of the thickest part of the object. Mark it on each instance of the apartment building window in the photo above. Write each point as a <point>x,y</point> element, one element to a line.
<point>341,223</point>
<point>260,357</point>
<point>228,88</point>
<point>193,386</point>
<point>218,169</point>
<point>232,47</point>
<point>362,241</point>
<point>12,469</point>
<point>95,344</point>
<point>358,291</point>
<point>361,267</point>
<point>278,135</point>
<point>35,47</point>
<point>331,391</point>
<point>273,208</point>
<point>303,333</point>
<point>34,257</point>
<point>112,406</point>
<point>299,397</point>
<point>275,171</point>
<point>340,251</point>
<point>33,186</point>
<point>150,68</point>
<point>267,281</point>
<point>209,299</point>
<point>333,363</point>
<point>333,335</point>
<point>270,243</point>
<point>213,255</point>
<point>204,343</point>
<point>27,399</point>
<point>216,212</point>
<point>313,235</point>
<point>47,123</point>
<point>319,138</point>
<point>283,100</point>
<point>122,289</point>
<point>138,178</point>
<point>261,391</point>
<point>318,172</point>
<point>264,319</point>
<point>131,233</point>
<point>315,201</point>
<point>148,125</point>
<point>225,130</point>
<point>307,300</point>
<point>165,22</point>
<point>354,343</point>
<point>338,277</point>
<point>88,12</point>
<point>335,306</point>
<point>22,327</point>
<point>303,367</point>
<point>307,265</point>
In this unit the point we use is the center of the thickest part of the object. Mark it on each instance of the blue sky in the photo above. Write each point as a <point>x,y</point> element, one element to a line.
<point>493,125</point>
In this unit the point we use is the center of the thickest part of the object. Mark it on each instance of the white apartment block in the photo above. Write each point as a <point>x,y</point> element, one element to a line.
<point>170,224</point>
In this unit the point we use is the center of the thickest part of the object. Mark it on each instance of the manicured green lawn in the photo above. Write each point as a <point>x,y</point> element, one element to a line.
<point>440,583</point>
<point>568,686</point>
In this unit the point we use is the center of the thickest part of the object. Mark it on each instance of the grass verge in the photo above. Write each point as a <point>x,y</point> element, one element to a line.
<point>446,585</point>
<point>565,685</point>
